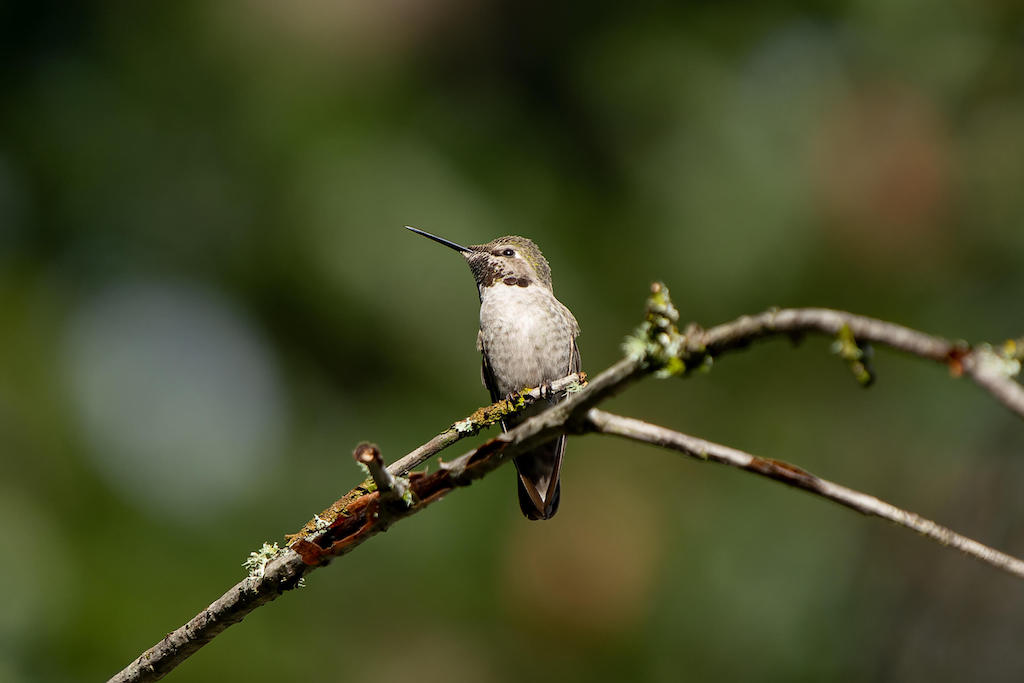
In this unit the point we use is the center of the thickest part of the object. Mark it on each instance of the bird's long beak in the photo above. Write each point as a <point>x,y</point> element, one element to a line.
<point>440,240</point>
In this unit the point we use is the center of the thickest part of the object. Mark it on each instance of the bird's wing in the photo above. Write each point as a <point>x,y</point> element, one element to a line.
<point>559,443</point>
<point>574,358</point>
<point>487,376</point>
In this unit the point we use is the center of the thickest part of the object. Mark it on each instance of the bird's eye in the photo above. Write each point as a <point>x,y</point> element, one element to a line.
<point>508,252</point>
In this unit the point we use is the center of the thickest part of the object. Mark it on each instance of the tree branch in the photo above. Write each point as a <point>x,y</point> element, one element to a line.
<point>481,418</point>
<point>637,430</point>
<point>346,524</point>
<point>992,370</point>
<point>658,348</point>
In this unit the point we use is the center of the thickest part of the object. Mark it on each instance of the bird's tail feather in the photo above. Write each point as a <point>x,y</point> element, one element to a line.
<point>538,482</point>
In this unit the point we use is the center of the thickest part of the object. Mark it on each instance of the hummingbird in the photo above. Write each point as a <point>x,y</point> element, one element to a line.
<point>527,339</point>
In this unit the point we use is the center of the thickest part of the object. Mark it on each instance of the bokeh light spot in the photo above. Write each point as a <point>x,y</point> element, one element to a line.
<point>178,396</point>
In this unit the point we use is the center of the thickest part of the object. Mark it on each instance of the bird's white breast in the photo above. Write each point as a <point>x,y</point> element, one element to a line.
<point>527,335</point>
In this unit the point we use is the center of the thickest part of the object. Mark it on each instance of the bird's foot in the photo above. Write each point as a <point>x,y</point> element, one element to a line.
<point>546,392</point>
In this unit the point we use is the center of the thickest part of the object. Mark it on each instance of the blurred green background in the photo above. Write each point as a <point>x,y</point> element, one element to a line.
<point>207,299</point>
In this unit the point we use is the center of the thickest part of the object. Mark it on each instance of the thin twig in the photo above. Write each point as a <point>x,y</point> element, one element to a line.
<point>472,424</point>
<point>390,488</point>
<point>958,356</point>
<point>637,430</point>
<point>788,321</point>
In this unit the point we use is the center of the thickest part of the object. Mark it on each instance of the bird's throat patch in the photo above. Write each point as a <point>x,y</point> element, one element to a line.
<point>488,273</point>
